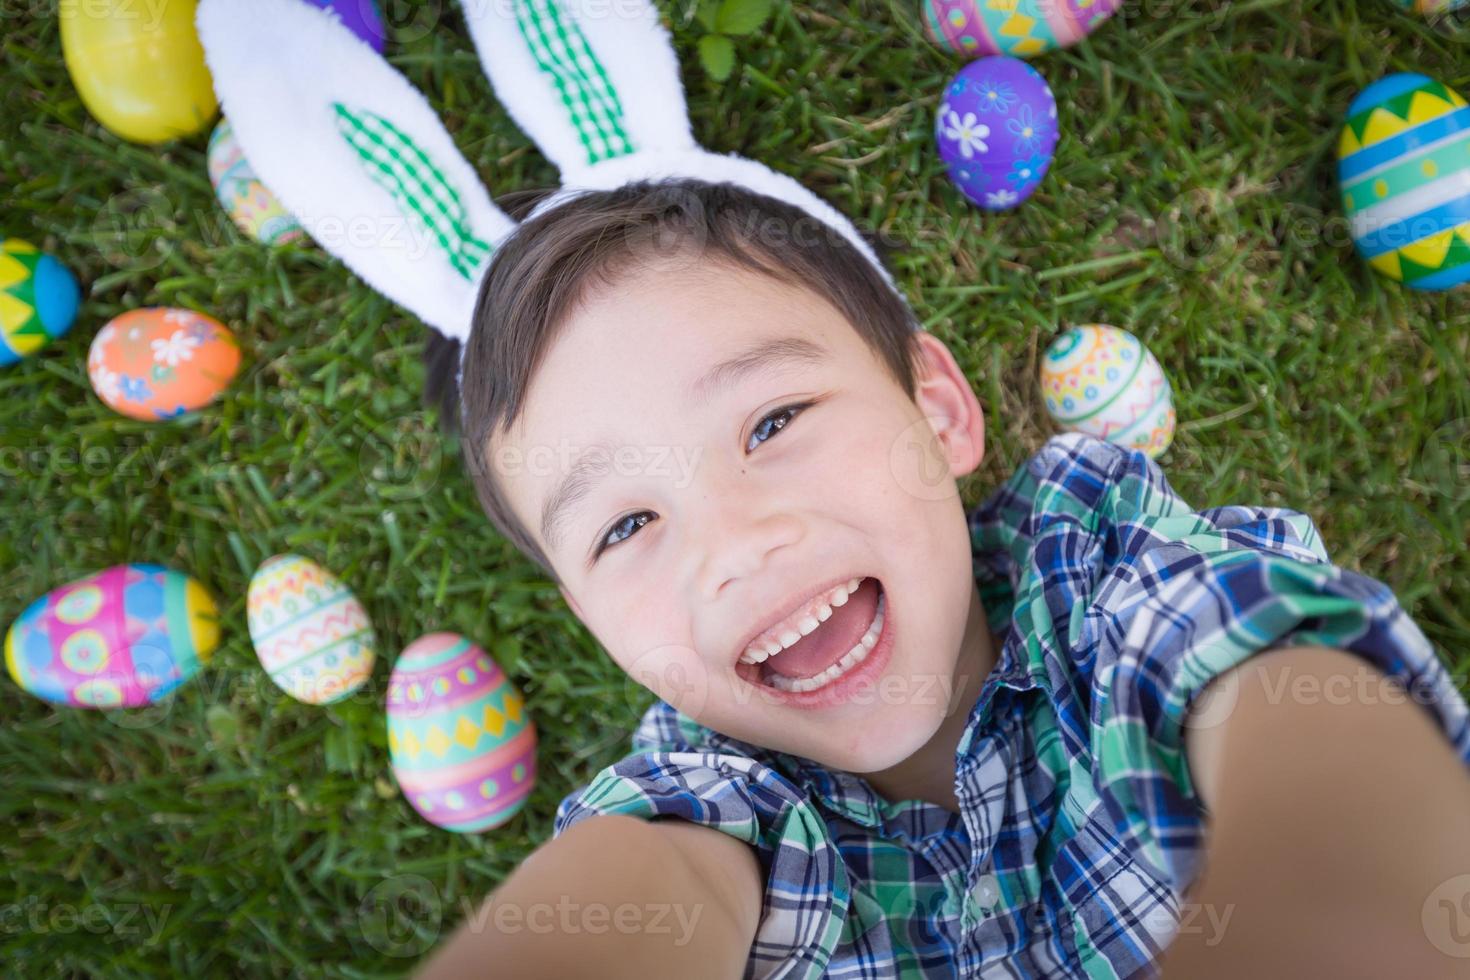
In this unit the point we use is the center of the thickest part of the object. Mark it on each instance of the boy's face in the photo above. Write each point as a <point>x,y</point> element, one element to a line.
<point>717,512</point>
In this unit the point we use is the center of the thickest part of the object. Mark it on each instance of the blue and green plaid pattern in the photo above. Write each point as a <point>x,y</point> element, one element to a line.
<point>561,51</point>
<point>421,189</point>
<point>1079,830</point>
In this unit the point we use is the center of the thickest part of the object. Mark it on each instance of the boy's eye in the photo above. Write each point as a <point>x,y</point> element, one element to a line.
<point>632,521</point>
<point>773,423</point>
<point>766,427</point>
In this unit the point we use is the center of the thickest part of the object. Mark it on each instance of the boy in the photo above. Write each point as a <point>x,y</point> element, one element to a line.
<point>1078,731</point>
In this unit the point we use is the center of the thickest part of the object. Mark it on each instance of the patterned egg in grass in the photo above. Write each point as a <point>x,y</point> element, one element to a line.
<point>311,634</point>
<point>1403,164</point>
<point>156,363</point>
<point>462,746</point>
<point>249,203</point>
<point>1103,382</point>
<point>119,638</point>
<point>997,131</point>
<point>1022,28</point>
<point>362,16</point>
<point>1430,8</point>
<point>38,299</point>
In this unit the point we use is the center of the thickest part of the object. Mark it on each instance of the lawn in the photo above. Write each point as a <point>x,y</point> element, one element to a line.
<point>231,830</point>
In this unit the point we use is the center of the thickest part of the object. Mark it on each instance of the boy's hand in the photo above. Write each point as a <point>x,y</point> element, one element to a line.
<point>614,897</point>
<point>1338,813</point>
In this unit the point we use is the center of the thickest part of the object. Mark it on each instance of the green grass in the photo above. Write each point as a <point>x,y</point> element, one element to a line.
<point>268,836</point>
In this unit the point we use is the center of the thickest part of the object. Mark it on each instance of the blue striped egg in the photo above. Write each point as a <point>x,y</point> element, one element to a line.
<point>1404,169</point>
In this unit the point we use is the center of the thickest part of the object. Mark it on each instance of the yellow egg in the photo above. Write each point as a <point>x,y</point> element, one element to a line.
<point>138,66</point>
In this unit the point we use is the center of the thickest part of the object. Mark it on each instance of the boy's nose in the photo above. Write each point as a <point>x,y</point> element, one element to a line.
<point>739,543</point>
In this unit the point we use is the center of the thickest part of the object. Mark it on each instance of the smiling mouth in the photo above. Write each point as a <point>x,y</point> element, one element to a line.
<point>835,648</point>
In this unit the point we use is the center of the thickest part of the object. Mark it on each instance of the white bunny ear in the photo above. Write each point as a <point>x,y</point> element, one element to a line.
<point>587,80</point>
<point>355,153</point>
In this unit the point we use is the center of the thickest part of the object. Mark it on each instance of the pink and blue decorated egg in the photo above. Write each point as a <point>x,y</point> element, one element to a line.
<point>38,300</point>
<point>312,635</point>
<point>1403,167</point>
<point>997,131</point>
<point>122,637</point>
<point>1021,28</point>
<point>1103,382</point>
<point>361,16</point>
<point>462,746</point>
<point>156,363</point>
<point>249,203</point>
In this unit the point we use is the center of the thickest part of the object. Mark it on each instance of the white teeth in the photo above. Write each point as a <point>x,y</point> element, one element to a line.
<point>807,620</point>
<point>849,660</point>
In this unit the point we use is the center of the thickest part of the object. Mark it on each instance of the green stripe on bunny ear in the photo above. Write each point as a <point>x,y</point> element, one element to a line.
<point>404,170</point>
<point>561,51</point>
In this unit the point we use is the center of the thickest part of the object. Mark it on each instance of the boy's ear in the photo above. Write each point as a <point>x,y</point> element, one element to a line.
<point>576,609</point>
<point>945,397</point>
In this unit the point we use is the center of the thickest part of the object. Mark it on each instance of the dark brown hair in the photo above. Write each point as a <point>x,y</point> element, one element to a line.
<point>547,266</point>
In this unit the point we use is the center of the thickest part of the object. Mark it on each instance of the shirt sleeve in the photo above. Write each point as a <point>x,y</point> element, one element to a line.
<point>1190,595</point>
<point>806,884</point>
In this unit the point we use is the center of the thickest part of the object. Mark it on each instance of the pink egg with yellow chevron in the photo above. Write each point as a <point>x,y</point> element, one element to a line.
<point>1103,382</point>
<point>1019,28</point>
<point>462,746</point>
<point>311,634</point>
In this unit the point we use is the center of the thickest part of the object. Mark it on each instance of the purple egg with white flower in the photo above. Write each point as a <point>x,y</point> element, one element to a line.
<point>997,131</point>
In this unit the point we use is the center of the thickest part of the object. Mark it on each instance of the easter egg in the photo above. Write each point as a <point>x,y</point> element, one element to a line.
<point>158,362</point>
<point>1103,382</point>
<point>1403,165</point>
<point>1022,28</point>
<point>1430,8</point>
<point>311,634</point>
<point>361,16</point>
<point>249,203</point>
<point>462,746</point>
<point>119,638</point>
<point>997,130</point>
<point>38,299</point>
<point>139,67</point>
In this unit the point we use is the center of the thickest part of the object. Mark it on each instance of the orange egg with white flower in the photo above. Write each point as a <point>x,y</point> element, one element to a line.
<point>160,362</point>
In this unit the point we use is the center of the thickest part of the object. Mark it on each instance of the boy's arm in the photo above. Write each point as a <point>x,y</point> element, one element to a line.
<point>612,897</point>
<point>1339,840</point>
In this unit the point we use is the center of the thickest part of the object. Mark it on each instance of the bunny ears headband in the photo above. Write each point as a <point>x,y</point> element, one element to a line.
<point>363,162</point>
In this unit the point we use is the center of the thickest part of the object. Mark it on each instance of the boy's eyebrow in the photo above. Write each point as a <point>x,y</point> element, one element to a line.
<point>760,355</point>
<point>589,466</point>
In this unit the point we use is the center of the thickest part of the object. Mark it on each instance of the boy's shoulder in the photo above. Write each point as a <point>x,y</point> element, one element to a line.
<point>1075,484</point>
<point>1085,528</point>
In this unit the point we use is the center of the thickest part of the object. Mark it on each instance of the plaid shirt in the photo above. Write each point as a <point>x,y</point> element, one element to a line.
<point>1080,829</point>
